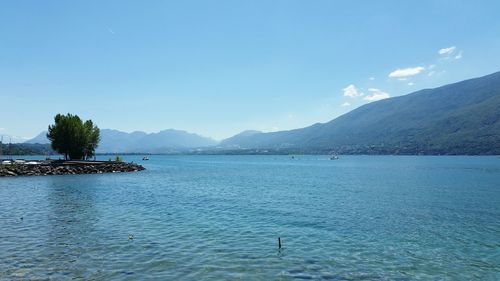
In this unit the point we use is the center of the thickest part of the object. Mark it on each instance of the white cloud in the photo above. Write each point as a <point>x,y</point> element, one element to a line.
<point>431,73</point>
<point>376,95</point>
<point>410,84</point>
<point>406,72</point>
<point>371,78</point>
<point>450,53</point>
<point>2,129</point>
<point>352,91</point>
<point>447,51</point>
<point>345,104</point>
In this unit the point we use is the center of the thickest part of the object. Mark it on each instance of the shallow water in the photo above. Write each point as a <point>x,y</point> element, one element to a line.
<point>219,218</point>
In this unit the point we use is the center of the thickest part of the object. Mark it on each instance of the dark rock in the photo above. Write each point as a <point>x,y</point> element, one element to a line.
<point>10,173</point>
<point>67,167</point>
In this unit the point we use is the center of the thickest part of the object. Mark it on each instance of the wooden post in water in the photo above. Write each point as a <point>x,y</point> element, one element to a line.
<point>279,242</point>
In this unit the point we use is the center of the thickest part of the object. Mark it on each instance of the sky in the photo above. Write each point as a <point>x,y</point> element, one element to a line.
<point>217,68</point>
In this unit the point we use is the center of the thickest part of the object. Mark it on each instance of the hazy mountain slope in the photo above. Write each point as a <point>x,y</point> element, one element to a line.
<point>236,139</point>
<point>114,141</point>
<point>164,141</point>
<point>460,118</point>
<point>40,138</point>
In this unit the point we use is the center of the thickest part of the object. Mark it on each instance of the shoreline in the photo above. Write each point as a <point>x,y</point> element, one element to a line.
<point>61,167</point>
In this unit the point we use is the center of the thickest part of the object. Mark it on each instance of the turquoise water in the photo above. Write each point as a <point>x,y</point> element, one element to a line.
<point>219,217</point>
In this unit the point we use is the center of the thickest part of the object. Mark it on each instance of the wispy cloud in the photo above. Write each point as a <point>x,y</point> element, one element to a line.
<point>406,72</point>
<point>352,91</point>
<point>447,51</point>
<point>376,94</point>
<point>110,30</point>
<point>450,53</point>
<point>411,83</point>
<point>345,104</point>
<point>371,78</point>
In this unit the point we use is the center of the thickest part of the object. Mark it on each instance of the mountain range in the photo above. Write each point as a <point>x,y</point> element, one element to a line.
<point>459,118</point>
<point>166,141</point>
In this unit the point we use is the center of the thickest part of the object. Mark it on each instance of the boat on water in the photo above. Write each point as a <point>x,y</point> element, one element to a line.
<point>145,158</point>
<point>334,156</point>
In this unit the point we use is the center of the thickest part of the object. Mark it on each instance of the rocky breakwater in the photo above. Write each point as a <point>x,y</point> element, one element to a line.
<point>45,168</point>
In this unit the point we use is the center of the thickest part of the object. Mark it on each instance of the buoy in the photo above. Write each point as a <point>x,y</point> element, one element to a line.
<point>131,237</point>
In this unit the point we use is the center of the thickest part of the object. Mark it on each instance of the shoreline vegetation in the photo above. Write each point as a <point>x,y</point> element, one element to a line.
<point>12,168</point>
<point>27,149</point>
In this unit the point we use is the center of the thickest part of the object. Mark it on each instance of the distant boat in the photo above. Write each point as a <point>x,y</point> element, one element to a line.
<point>334,157</point>
<point>145,158</point>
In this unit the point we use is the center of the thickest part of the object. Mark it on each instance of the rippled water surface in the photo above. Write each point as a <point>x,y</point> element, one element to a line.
<point>219,218</point>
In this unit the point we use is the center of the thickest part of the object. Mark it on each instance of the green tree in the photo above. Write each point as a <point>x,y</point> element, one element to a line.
<point>72,137</point>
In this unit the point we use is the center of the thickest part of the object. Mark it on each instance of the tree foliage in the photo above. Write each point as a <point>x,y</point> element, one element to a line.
<point>72,137</point>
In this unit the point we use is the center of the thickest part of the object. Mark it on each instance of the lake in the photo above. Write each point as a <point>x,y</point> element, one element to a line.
<point>219,218</point>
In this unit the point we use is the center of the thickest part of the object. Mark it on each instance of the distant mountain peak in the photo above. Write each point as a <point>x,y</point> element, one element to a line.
<point>115,141</point>
<point>249,133</point>
<point>40,138</point>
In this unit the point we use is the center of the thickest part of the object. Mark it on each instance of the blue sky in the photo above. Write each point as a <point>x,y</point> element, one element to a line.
<point>220,67</point>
